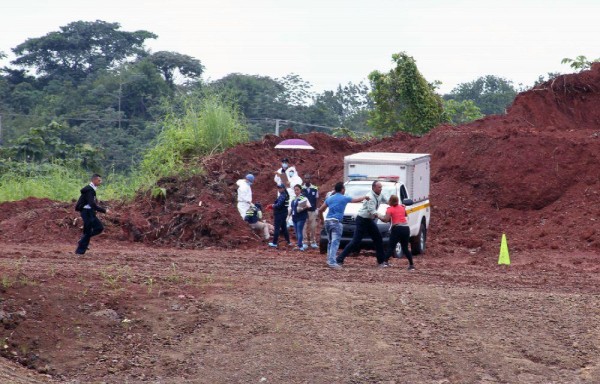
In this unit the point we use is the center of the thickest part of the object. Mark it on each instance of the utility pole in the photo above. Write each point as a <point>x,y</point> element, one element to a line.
<point>0,129</point>
<point>120,94</point>
<point>276,127</point>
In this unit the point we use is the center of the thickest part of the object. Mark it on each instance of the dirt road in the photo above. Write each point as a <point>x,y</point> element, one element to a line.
<point>131,313</point>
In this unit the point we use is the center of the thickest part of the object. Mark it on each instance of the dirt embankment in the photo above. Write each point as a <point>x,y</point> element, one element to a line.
<point>532,174</point>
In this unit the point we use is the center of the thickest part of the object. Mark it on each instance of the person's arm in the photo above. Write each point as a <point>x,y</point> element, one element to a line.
<point>322,209</point>
<point>90,199</point>
<point>387,217</point>
<point>360,199</point>
<point>279,201</point>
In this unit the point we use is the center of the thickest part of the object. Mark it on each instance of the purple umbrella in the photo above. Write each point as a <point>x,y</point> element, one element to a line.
<point>293,144</point>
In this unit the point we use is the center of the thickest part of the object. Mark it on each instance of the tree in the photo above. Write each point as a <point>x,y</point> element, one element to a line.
<point>169,62</point>
<point>81,48</point>
<point>579,63</point>
<point>404,100</point>
<point>296,90</point>
<point>350,103</point>
<point>491,94</point>
<point>461,112</point>
<point>255,96</point>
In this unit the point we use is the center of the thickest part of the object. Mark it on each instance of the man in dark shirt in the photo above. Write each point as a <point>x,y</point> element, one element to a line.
<point>88,205</point>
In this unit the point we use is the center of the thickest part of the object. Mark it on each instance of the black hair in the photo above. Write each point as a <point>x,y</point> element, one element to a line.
<point>95,176</point>
<point>338,187</point>
<point>374,184</point>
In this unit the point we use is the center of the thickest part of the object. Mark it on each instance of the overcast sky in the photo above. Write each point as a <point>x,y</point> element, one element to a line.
<point>331,42</point>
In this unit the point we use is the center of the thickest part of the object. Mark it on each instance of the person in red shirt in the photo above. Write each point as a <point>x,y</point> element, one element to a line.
<point>396,213</point>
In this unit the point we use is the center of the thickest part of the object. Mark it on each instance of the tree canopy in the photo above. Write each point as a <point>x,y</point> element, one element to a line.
<point>169,62</point>
<point>491,94</point>
<point>404,100</point>
<point>81,48</point>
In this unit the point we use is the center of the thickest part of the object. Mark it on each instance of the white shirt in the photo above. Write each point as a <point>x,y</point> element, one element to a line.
<point>292,180</point>
<point>244,191</point>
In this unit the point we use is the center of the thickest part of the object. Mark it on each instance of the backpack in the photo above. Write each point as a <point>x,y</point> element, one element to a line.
<point>80,203</point>
<point>254,213</point>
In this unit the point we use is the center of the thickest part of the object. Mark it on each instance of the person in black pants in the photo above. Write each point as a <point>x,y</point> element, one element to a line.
<point>280,213</point>
<point>396,213</point>
<point>365,224</point>
<point>88,205</point>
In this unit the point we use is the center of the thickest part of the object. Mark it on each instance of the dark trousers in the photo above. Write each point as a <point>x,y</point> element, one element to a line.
<point>91,227</point>
<point>280,226</point>
<point>400,234</point>
<point>364,226</point>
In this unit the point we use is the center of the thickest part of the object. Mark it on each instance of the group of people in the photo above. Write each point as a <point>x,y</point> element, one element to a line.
<point>299,206</point>
<point>296,205</point>
<point>396,213</point>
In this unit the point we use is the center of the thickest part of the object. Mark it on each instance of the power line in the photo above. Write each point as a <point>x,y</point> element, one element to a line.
<point>75,118</point>
<point>277,121</point>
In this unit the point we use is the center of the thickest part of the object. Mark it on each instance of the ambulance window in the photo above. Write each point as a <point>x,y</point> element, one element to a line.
<point>403,194</point>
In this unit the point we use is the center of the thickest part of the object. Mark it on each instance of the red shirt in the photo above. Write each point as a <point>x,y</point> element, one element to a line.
<point>398,214</point>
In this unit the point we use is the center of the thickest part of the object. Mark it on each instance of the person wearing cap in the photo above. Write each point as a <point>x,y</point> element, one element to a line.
<point>254,218</point>
<point>244,194</point>
<point>280,213</point>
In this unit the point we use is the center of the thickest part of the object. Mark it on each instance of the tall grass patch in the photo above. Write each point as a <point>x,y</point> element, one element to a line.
<point>204,126</point>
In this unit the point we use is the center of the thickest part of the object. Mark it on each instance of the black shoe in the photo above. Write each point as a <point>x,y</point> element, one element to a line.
<point>79,253</point>
<point>411,267</point>
<point>339,262</point>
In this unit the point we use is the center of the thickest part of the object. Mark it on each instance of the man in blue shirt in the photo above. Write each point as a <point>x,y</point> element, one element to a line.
<point>333,222</point>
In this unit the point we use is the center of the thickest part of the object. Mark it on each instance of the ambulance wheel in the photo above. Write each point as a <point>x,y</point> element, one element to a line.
<point>417,243</point>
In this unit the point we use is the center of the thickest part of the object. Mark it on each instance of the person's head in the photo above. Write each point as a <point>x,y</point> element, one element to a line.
<point>393,200</point>
<point>377,187</point>
<point>307,178</point>
<point>339,187</point>
<point>96,179</point>
<point>250,178</point>
<point>281,188</point>
<point>285,162</point>
<point>297,189</point>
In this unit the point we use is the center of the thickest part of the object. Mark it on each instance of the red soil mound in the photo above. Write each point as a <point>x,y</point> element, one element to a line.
<point>532,174</point>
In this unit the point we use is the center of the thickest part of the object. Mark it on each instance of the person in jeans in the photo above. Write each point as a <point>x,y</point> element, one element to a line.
<point>396,213</point>
<point>280,213</point>
<point>88,206</point>
<point>365,223</point>
<point>299,211</point>
<point>333,222</point>
<point>311,192</point>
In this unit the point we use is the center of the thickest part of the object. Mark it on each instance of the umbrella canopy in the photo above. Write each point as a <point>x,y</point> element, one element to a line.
<point>294,144</point>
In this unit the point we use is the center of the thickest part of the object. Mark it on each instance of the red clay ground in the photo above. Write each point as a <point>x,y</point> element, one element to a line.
<point>177,292</point>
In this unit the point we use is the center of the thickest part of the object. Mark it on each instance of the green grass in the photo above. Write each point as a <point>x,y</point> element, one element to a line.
<point>205,125</point>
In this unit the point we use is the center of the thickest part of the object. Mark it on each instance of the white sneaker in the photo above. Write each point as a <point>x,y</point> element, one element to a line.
<point>314,245</point>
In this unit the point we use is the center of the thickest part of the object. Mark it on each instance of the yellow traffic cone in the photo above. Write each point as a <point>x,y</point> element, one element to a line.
<point>504,258</point>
